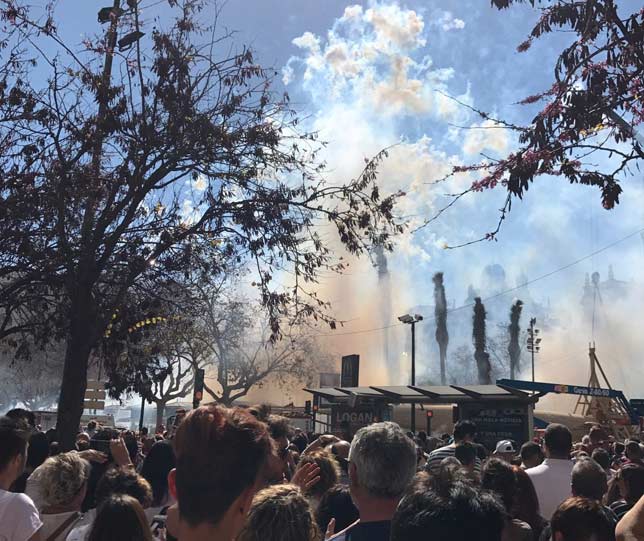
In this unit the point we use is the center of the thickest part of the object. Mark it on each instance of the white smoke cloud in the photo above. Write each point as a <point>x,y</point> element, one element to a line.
<point>448,22</point>
<point>487,135</point>
<point>375,58</point>
<point>371,83</point>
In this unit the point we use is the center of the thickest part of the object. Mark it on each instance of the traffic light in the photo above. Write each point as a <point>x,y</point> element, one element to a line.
<point>430,416</point>
<point>197,395</point>
<point>307,407</point>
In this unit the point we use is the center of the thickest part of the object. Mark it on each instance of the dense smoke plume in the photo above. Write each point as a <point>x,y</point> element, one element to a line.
<point>379,77</point>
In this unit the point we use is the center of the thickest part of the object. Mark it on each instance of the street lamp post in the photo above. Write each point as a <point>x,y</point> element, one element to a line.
<point>533,341</point>
<point>412,320</point>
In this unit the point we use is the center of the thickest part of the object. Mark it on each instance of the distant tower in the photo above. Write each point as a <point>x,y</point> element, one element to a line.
<point>587,298</point>
<point>609,412</point>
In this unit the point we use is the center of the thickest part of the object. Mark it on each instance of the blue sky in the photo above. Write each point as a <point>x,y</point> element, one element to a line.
<point>372,74</point>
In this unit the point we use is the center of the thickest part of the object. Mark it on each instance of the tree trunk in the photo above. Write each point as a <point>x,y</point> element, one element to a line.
<point>484,367</point>
<point>514,351</point>
<point>443,355</point>
<point>72,391</point>
<point>80,341</point>
<point>160,413</point>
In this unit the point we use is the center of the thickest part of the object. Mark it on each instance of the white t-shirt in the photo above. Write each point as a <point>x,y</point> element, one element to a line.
<point>19,519</point>
<point>551,481</point>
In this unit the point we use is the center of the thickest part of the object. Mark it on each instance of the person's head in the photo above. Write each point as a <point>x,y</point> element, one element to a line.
<point>499,477</point>
<point>449,472</point>
<point>103,435</point>
<point>62,482</point>
<point>602,457</point>
<point>505,450</point>
<point>598,438</point>
<point>144,431</point>
<point>329,471</point>
<point>633,451</point>
<point>526,502</point>
<point>124,481</point>
<point>38,450</point>
<point>82,441</point>
<point>465,453</point>
<point>382,463</point>
<point>300,440</point>
<point>340,450</point>
<point>581,519</point>
<point>92,425</point>
<point>464,431</point>
<point>280,513</point>
<point>120,517</point>
<point>619,448</point>
<point>558,441</point>
<point>281,430</point>
<point>14,437</point>
<point>146,445</point>
<point>52,435</point>
<point>531,454</point>
<point>260,412</point>
<point>21,414</point>
<point>132,444</point>
<point>630,479</point>
<point>336,503</point>
<point>588,479</point>
<point>158,463</point>
<point>460,513</point>
<point>220,454</point>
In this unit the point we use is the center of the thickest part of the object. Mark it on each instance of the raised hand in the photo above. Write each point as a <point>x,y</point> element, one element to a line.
<point>306,476</point>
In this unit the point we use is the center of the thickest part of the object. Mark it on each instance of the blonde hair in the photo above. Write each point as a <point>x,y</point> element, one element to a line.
<point>280,513</point>
<point>60,478</point>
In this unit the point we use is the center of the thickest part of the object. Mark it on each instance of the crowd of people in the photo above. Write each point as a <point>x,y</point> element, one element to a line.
<point>246,475</point>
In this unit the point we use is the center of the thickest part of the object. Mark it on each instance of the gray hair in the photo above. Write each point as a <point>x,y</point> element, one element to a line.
<point>384,458</point>
<point>60,478</point>
<point>588,479</point>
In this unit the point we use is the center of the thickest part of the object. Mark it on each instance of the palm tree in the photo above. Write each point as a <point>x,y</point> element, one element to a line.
<point>481,356</point>
<point>440,313</point>
<point>514,349</point>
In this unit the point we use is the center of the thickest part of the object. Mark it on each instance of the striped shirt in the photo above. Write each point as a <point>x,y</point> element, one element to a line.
<point>620,508</point>
<point>437,456</point>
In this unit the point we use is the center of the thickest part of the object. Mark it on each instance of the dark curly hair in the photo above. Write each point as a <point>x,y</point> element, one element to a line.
<point>124,481</point>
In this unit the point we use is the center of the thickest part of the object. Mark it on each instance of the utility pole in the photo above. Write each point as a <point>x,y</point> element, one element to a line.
<point>533,341</point>
<point>412,320</point>
<point>413,374</point>
<point>146,388</point>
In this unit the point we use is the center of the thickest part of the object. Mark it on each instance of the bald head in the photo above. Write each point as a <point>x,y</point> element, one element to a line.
<point>340,449</point>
